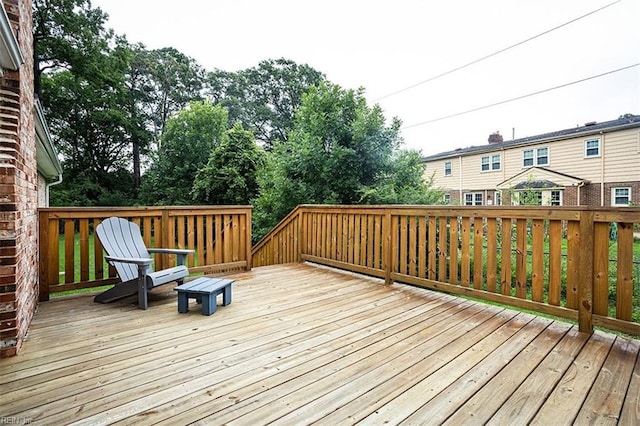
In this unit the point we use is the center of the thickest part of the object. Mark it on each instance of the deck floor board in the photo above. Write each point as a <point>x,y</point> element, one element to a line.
<point>303,344</point>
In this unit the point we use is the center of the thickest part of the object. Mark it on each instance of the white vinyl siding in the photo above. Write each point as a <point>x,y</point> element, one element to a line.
<point>620,162</point>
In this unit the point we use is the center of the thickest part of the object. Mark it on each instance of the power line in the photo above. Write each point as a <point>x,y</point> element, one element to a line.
<point>520,97</point>
<point>475,61</point>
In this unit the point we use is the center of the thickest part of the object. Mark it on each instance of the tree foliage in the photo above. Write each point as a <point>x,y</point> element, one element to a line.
<point>160,83</point>
<point>264,98</point>
<point>110,105</point>
<point>92,130</point>
<point>185,147</point>
<point>230,176</point>
<point>340,152</point>
<point>403,183</point>
<point>169,80</point>
<point>68,34</point>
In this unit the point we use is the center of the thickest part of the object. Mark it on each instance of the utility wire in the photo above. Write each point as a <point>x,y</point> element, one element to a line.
<point>495,53</point>
<point>520,97</point>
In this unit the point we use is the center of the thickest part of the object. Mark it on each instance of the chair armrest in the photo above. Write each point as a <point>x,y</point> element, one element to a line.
<point>140,261</point>
<point>170,251</point>
<point>181,253</point>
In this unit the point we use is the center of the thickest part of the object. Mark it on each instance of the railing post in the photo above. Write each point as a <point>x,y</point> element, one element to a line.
<point>302,235</point>
<point>43,283</point>
<point>585,273</point>
<point>248,231</point>
<point>386,247</point>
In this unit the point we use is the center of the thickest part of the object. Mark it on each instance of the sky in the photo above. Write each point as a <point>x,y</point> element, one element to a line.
<point>391,49</point>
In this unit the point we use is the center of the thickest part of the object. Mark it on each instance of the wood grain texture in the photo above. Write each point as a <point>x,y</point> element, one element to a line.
<point>302,344</point>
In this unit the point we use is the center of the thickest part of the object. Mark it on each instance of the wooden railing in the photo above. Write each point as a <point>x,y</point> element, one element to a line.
<point>582,264</point>
<point>71,257</point>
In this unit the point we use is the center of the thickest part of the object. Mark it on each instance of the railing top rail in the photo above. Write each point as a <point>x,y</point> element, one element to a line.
<point>632,209</point>
<point>620,214</point>
<point>275,229</point>
<point>143,208</point>
<point>102,212</point>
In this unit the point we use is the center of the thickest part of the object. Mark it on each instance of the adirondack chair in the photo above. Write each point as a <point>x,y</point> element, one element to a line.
<point>125,250</point>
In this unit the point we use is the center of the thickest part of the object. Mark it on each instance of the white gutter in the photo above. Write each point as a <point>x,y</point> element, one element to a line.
<point>46,156</point>
<point>10,55</point>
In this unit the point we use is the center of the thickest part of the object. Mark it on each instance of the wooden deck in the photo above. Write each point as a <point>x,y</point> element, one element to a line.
<point>302,344</point>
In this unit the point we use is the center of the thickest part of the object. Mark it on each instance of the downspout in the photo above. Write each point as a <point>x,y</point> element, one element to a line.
<point>49,185</point>
<point>460,188</point>
<point>580,185</point>
<point>602,171</point>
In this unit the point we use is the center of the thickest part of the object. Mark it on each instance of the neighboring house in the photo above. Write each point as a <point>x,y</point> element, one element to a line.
<point>597,164</point>
<point>28,166</point>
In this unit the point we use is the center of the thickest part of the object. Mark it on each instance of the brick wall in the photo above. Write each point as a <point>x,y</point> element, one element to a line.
<point>635,191</point>
<point>590,195</point>
<point>570,196</point>
<point>18,190</point>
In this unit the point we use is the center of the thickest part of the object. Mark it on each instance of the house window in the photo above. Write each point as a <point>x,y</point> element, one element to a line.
<point>447,198</point>
<point>542,156</point>
<point>485,164</point>
<point>529,197</point>
<point>535,157</point>
<point>498,197</point>
<point>490,162</point>
<point>495,162</point>
<point>556,198</point>
<point>592,148</point>
<point>473,199</point>
<point>447,168</point>
<point>620,196</point>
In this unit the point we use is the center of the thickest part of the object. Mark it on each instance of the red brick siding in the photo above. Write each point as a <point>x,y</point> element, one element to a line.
<point>635,191</point>
<point>590,195</point>
<point>18,190</point>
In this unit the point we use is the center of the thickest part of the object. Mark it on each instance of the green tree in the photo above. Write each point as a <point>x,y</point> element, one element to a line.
<point>403,183</point>
<point>79,72</point>
<point>340,152</point>
<point>264,98</point>
<point>68,34</point>
<point>170,80</point>
<point>92,131</point>
<point>159,82</point>
<point>230,176</point>
<point>185,147</point>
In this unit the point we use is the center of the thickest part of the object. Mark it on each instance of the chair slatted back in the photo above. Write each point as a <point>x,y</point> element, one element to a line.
<point>121,238</point>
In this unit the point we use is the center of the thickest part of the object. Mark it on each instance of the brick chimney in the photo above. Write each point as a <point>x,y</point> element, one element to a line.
<point>495,137</point>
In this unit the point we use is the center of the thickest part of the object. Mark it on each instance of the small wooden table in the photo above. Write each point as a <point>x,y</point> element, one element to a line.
<point>204,290</point>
